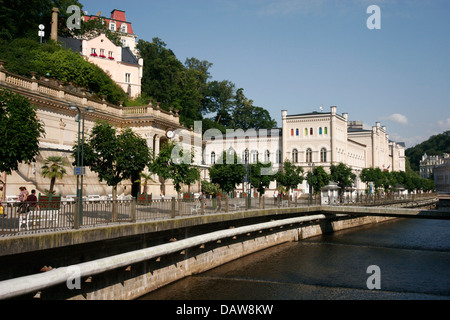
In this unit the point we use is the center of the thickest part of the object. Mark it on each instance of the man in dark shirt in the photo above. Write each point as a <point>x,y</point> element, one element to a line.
<point>32,200</point>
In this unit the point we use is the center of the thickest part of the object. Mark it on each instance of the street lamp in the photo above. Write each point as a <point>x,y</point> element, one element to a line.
<point>80,170</point>
<point>311,165</point>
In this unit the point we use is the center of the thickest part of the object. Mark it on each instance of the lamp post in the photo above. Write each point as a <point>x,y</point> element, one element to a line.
<point>80,171</point>
<point>311,165</point>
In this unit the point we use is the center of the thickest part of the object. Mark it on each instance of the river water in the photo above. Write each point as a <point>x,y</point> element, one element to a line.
<point>412,256</point>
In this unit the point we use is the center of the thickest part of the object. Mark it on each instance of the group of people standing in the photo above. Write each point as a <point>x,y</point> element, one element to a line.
<point>27,201</point>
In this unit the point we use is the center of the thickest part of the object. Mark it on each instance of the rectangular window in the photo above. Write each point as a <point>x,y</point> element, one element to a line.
<point>112,26</point>
<point>128,77</point>
<point>296,132</point>
<point>292,132</point>
<point>306,131</point>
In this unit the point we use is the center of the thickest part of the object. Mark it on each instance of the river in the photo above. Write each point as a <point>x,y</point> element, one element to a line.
<point>412,259</point>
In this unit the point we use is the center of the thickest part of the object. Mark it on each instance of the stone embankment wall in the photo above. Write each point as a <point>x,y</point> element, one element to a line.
<point>131,275</point>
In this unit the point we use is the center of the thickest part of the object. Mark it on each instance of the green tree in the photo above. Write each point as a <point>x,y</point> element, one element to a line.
<point>114,156</point>
<point>20,131</point>
<point>319,179</point>
<point>96,26</point>
<point>210,188</point>
<point>228,171</point>
<point>343,176</point>
<point>247,116</point>
<point>290,176</point>
<point>374,175</point>
<point>259,179</point>
<point>20,18</point>
<point>167,81</point>
<point>219,100</point>
<point>168,165</point>
<point>53,169</point>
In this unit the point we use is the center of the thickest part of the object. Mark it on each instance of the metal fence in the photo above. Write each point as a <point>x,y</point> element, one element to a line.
<point>16,220</point>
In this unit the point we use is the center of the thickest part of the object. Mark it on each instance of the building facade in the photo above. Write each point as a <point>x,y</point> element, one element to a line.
<point>429,163</point>
<point>121,63</point>
<point>314,139</point>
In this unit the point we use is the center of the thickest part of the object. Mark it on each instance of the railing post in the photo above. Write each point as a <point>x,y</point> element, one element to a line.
<point>173,207</point>
<point>76,220</point>
<point>133,210</point>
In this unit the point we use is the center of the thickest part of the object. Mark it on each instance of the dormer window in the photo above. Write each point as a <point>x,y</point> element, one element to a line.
<point>123,28</point>
<point>112,26</point>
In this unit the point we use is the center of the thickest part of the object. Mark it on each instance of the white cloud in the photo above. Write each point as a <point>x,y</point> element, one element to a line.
<point>397,117</point>
<point>444,124</point>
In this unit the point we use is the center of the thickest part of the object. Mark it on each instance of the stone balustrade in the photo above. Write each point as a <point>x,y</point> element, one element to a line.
<point>46,87</point>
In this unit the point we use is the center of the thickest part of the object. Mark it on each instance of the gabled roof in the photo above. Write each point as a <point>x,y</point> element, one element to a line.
<point>128,56</point>
<point>71,44</point>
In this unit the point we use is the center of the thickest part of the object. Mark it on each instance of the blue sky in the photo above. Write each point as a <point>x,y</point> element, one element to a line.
<point>300,54</point>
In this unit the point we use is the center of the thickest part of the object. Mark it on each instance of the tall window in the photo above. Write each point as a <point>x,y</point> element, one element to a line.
<point>278,156</point>
<point>213,157</point>
<point>292,132</point>
<point>245,156</point>
<point>112,26</point>
<point>295,156</point>
<point>306,131</point>
<point>326,131</point>
<point>267,156</point>
<point>123,28</point>
<point>311,131</point>
<point>254,156</point>
<point>309,155</point>
<point>296,132</point>
<point>128,77</point>
<point>320,131</point>
<point>323,155</point>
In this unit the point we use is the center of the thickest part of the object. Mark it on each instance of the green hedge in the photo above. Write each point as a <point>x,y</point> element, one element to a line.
<point>24,56</point>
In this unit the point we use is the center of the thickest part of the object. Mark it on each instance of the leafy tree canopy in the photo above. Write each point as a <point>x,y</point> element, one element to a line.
<point>19,131</point>
<point>114,156</point>
<point>435,145</point>
<point>228,171</point>
<point>290,176</point>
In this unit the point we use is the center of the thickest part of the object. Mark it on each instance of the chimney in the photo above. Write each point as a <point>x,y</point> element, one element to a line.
<point>54,32</point>
<point>333,110</point>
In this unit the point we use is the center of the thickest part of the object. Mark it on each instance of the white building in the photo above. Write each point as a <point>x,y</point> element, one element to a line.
<point>121,63</point>
<point>314,139</point>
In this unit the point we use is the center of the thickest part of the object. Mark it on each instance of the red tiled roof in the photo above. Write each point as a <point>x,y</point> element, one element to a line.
<point>116,15</point>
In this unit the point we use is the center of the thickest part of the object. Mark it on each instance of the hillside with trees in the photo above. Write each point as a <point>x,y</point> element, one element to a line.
<point>435,145</point>
<point>187,87</point>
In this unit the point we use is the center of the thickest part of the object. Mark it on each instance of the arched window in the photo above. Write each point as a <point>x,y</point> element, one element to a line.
<point>254,156</point>
<point>325,130</point>
<point>213,157</point>
<point>309,155</point>
<point>323,155</point>
<point>292,132</point>
<point>295,156</point>
<point>245,156</point>
<point>296,132</point>
<point>306,131</point>
<point>320,131</point>
<point>278,156</point>
<point>267,156</point>
<point>311,131</point>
